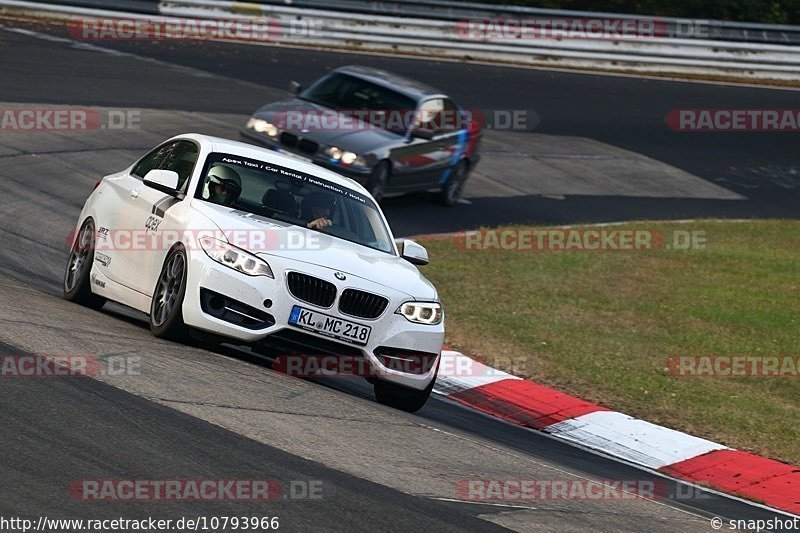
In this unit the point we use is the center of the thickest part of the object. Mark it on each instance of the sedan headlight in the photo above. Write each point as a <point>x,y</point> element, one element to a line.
<point>421,312</point>
<point>235,258</point>
<point>337,154</point>
<point>262,126</point>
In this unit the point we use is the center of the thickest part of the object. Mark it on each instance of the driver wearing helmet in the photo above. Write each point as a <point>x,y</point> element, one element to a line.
<point>222,186</point>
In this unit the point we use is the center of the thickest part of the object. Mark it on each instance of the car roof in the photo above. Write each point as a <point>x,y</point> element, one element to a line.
<point>219,144</point>
<point>411,88</point>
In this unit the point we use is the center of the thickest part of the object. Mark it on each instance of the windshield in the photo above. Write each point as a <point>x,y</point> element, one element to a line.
<point>294,197</point>
<point>349,94</point>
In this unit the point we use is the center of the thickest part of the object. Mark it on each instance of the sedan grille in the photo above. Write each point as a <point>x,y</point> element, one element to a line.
<point>312,290</point>
<point>362,304</point>
<point>303,145</point>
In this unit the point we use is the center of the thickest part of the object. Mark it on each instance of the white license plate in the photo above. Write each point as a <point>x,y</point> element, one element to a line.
<point>329,325</point>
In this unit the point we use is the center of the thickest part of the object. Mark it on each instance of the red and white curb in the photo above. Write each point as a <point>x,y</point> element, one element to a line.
<point>571,419</point>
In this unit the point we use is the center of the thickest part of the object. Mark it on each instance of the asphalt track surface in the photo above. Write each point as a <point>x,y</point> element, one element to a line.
<point>194,413</point>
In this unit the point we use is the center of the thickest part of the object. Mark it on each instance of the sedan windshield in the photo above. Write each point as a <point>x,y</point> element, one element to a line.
<point>294,197</point>
<point>349,94</point>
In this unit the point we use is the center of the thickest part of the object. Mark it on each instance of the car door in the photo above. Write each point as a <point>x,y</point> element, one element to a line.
<point>434,143</point>
<point>450,141</point>
<point>417,161</point>
<point>115,234</point>
<point>147,208</point>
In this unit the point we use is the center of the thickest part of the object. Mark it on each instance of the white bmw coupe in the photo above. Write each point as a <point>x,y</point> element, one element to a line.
<point>253,247</point>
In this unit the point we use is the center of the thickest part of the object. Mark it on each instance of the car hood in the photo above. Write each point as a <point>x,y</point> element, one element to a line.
<point>302,245</point>
<point>357,136</point>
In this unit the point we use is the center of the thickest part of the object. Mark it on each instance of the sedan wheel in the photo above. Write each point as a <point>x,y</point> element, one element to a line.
<point>166,316</point>
<point>376,185</point>
<point>454,187</point>
<point>77,282</point>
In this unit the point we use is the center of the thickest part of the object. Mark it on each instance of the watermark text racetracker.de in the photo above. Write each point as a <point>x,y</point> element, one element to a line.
<point>559,28</point>
<point>396,120</point>
<point>600,239</point>
<point>734,120</point>
<point>253,29</point>
<point>450,365</point>
<point>733,366</point>
<point>186,490</point>
<point>573,28</point>
<point>152,238</point>
<point>60,366</point>
<point>45,119</point>
<point>517,490</point>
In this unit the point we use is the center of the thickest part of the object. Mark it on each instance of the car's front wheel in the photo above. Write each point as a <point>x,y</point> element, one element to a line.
<point>453,188</point>
<point>77,282</point>
<point>405,399</point>
<point>166,315</point>
<point>376,184</point>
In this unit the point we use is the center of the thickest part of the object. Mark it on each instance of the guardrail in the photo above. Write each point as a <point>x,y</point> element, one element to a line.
<point>149,7</point>
<point>451,39</point>
<point>457,11</point>
<point>447,34</point>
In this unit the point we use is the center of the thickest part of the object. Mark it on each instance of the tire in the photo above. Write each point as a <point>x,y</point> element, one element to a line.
<point>77,276</point>
<point>376,184</point>
<point>454,186</point>
<point>166,314</point>
<point>405,399</point>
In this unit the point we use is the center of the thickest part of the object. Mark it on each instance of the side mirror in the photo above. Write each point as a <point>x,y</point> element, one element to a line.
<point>423,134</point>
<point>414,253</point>
<point>162,180</point>
<point>295,87</point>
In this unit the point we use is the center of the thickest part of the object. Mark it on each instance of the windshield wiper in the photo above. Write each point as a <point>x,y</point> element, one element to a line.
<point>318,102</point>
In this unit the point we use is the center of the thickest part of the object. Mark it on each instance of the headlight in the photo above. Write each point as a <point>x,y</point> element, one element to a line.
<point>421,312</point>
<point>337,154</point>
<point>360,162</point>
<point>235,258</point>
<point>262,126</point>
<point>334,152</point>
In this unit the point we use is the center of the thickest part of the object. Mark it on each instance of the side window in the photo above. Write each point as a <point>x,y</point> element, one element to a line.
<point>181,158</point>
<point>429,115</point>
<point>451,119</point>
<point>151,160</point>
<point>439,115</point>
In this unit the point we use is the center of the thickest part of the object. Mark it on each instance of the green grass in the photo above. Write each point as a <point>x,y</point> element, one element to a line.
<point>601,325</point>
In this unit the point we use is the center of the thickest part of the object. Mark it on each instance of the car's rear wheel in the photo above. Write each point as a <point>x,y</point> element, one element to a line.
<point>166,315</point>
<point>376,184</point>
<point>453,188</point>
<point>77,282</point>
<point>405,399</point>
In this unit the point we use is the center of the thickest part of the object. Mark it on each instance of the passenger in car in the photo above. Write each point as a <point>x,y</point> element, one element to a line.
<point>279,201</point>
<point>317,208</point>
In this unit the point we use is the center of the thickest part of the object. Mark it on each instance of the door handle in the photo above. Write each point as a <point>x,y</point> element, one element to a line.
<point>135,193</point>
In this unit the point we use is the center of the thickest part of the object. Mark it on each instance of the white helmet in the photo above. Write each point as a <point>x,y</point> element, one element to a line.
<point>221,176</point>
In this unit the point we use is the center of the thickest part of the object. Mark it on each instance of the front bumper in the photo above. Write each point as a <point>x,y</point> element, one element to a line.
<point>359,174</point>
<point>389,330</point>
